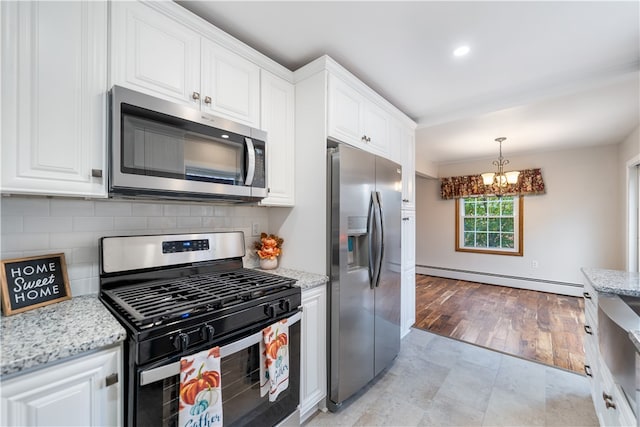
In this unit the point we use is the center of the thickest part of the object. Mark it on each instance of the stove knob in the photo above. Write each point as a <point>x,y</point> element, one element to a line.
<point>285,305</point>
<point>270,310</point>
<point>181,341</point>
<point>207,332</point>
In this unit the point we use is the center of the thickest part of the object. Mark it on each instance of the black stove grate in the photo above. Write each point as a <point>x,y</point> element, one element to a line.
<point>160,300</point>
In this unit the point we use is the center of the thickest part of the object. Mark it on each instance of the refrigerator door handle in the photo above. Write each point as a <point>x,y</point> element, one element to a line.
<point>375,235</point>
<point>371,223</point>
<point>380,229</point>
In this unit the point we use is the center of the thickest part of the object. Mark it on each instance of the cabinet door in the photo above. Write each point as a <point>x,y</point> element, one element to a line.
<point>54,64</point>
<point>278,100</point>
<point>408,170</point>
<point>73,393</point>
<point>345,113</point>
<point>408,305</point>
<point>396,144</point>
<point>154,54</point>
<point>230,85</point>
<point>375,125</point>
<point>313,381</point>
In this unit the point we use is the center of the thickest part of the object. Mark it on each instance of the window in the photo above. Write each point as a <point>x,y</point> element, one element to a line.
<point>489,225</point>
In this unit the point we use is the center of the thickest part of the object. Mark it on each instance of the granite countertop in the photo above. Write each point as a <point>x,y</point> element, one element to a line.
<point>55,332</point>
<point>635,339</point>
<point>614,281</point>
<point>305,280</point>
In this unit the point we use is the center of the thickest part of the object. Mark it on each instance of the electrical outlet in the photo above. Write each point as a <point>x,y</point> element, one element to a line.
<point>255,229</point>
<point>534,263</point>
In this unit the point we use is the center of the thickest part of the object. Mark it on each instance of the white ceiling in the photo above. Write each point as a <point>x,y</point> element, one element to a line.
<point>547,75</point>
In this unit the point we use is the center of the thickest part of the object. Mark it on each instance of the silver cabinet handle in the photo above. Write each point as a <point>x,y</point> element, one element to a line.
<point>96,173</point>
<point>207,100</point>
<point>586,295</point>
<point>406,218</point>
<point>587,371</point>
<point>365,138</point>
<point>588,329</point>
<point>111,379</point>
<point>405,200</point>
<point>195,95</point>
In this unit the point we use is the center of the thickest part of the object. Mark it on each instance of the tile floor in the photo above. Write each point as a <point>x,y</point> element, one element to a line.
<point>438,381</point>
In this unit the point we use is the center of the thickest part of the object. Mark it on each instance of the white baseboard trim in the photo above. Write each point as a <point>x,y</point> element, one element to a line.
<point>542,285</point>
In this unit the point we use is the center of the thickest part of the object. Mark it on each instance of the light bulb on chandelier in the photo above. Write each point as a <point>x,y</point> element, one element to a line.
<point>501,178</point>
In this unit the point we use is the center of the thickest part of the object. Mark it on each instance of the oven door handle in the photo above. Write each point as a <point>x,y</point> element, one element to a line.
<point>157,374</point>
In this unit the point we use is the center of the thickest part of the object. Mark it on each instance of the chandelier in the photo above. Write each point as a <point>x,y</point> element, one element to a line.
<point>501,178</point>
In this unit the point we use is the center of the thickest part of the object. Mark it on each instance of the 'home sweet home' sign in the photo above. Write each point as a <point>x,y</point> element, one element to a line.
<point>33,282</point>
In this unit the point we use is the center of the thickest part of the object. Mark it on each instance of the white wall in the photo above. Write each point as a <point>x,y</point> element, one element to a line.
<point>37,225</point>
<point>573,225</point>
<point>628,158</point>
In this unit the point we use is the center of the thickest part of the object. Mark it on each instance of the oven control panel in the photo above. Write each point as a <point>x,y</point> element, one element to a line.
<point>170,247</point>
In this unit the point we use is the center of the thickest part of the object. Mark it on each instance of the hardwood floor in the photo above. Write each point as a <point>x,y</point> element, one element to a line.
<point>539,326</point>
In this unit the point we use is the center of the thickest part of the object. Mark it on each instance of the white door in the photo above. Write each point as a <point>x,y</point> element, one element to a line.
<point>74,393</point>
<point>313,381</point>
<point>154,54</point>
<point>54,71</point>
<point>345,113</point>
<point>376,128</point>
<point>230,85</point>
<point>278,100</point>
<point>408,169</point>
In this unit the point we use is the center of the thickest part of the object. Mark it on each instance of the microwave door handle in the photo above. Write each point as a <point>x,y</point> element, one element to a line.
<point>157,374</point>
<point>251,161</point>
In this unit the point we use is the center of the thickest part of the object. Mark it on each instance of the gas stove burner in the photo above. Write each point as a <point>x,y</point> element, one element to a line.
<point>165,300</point>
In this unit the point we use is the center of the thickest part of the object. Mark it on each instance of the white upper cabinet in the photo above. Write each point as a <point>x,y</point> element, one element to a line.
<point>162,57</point>
<point>152,53</point>
<point>230,84</point>
<point>354,119</point>
<point>408,147</point>
<point>278,106</point>
<point>54,82</point>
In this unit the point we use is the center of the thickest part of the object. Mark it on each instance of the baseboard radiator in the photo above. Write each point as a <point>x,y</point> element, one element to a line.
<point>551,286</point>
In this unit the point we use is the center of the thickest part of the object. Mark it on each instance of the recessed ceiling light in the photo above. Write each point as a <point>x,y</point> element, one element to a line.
<point>461,51</point>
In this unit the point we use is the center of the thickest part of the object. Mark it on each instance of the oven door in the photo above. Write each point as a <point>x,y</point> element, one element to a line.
<point>157,389</point>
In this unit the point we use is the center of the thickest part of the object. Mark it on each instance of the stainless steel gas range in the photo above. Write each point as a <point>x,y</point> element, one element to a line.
<point>180,294</point>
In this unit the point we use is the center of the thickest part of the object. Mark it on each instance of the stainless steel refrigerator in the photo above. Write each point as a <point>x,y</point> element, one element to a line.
<point>364,201</point>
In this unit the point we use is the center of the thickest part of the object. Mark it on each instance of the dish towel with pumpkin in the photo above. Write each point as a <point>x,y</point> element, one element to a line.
<point>274,360</point>
<point>200,389</point>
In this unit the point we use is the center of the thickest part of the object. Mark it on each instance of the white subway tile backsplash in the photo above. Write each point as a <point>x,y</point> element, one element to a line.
<point>162,222</point>
<point>111,208</point>
<point>79,271</point>
<point>87,286</point>
<point>24,206</point>
<point>71,207</point>
<point>73,240</point>
<point>130,223</point>
<point>85,255</point>
<point>25,242</point>
<point>12,224</point>
<point>177,210</point>
<point>147,209</point>
<point>92,223</point>
<point>190,221</point>
<point>199,210</point>
<point>33,224</point>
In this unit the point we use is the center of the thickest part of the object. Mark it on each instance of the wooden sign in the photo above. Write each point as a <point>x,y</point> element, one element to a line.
<point>33,282</point>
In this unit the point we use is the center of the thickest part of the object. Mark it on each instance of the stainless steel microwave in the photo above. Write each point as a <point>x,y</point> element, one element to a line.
<point>165,150</point>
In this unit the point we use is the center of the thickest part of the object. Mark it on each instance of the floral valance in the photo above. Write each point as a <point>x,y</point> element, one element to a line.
<point>529,182</point>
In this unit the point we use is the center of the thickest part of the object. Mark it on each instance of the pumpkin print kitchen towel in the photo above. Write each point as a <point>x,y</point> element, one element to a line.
<point>274,366</point>
<point>200,389</point>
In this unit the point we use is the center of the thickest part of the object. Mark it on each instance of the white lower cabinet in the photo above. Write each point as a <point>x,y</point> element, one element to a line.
<point>73,393</point>
<point>313,366</point>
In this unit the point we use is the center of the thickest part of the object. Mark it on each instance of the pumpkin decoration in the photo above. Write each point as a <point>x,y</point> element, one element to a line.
<point>203,381</point>
<point>273,346</point>
<point>269,246</point>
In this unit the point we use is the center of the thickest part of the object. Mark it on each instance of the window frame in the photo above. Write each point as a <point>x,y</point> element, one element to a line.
<point>518,235</point>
